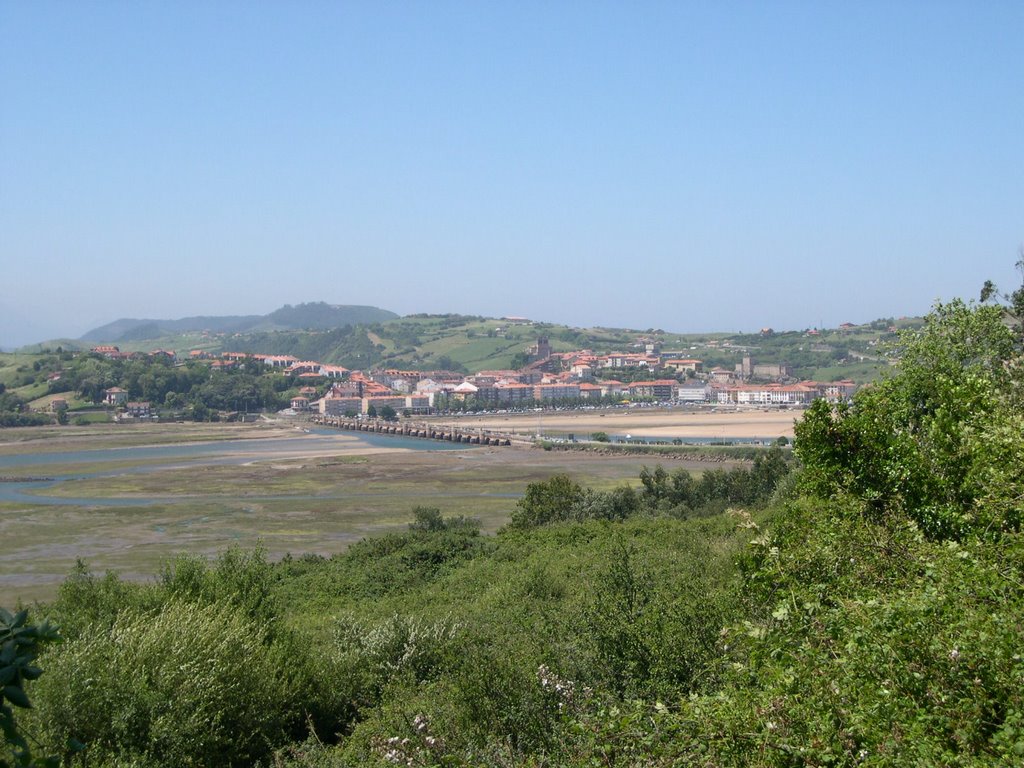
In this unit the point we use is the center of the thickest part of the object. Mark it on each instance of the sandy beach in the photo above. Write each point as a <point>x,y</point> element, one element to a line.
<point>641,422</point>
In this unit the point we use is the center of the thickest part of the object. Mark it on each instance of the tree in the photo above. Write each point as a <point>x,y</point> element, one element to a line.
<point>372,411</point>
<point>427,520</point>
<point>388,413</point>
<point>655,484</point>
<point>1012,303</point>
<point>546,502</point>
<point>928,441</point>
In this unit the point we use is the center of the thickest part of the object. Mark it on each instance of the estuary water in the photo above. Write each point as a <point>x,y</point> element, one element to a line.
<point>177,455</point>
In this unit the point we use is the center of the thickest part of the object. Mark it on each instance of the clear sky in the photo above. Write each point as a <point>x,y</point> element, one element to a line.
<point>682,165</point>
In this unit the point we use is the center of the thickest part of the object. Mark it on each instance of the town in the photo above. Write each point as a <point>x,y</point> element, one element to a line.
<point>550,378</point>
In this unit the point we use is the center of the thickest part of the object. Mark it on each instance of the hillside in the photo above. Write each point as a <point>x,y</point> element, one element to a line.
<point>313,315</point>
<point>370,337</point>
<point>471,344</point>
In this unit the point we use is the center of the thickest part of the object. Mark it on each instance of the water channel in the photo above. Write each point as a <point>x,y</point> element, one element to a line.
<point>178,455</point>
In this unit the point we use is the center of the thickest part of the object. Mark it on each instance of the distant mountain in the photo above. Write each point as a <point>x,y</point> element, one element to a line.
<point>313,316</point>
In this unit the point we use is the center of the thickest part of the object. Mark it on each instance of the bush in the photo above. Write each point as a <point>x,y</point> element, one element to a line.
<point>867,639</point>
<point>21,642</point>
<point>549,501</point>
<point>927,442</point>
<point>188,684</point>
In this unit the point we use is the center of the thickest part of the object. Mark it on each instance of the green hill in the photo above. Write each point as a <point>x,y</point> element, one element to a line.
<point>364,337</point>
<point>471,344</point>
<point>313,315</point>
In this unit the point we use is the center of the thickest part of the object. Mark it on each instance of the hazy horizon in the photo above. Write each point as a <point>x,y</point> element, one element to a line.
<point>536,319</point>
<point>688,166</point>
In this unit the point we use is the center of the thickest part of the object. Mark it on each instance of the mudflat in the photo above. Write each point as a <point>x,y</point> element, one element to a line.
<point>129,498</point>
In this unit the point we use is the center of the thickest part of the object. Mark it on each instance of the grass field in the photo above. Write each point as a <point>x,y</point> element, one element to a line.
<point>140,511</point>
<point>862,372</point>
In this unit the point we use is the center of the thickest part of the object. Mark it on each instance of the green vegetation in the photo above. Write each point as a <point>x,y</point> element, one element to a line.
<point>192,391</point>
<point>224,664</point>
<point>20,646</point>
<point>312,315</point>
<point>864,609</point>
<point>858,372</point>
<point>360,337</point>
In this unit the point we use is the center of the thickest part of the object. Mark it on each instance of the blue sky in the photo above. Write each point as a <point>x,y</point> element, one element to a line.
<point>684,165</point>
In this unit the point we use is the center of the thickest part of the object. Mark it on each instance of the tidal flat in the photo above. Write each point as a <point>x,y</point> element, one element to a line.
<point>128,498</point>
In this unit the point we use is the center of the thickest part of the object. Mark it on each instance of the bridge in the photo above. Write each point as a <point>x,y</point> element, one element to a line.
<point>422,430</point>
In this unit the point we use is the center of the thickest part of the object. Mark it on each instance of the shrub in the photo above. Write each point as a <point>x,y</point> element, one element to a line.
<point>549,501</point>
<point>21,642</point>
<point>188,684</point>
<point>926,442</point>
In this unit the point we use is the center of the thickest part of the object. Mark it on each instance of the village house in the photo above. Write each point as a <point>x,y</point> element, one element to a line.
<point>335,405</point>
<point>494,376</point>
<point>681,365</point>
<point>464,391</point>
<point>581,370</point>
<point>833,391</point>
<point>693,392</point>
<point>396,402</point>
<point>346,389</point>
<point>140,409</point>
<point>663,389</point>
<point>624,360</point>
<point>333,371</point>
<point>115,396</point>
<point>561,391</point>
<point>428,387</point>
<point>513,393</point>
<point>279,361</point>
<point>612,388</point>
<point>299,367</point>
